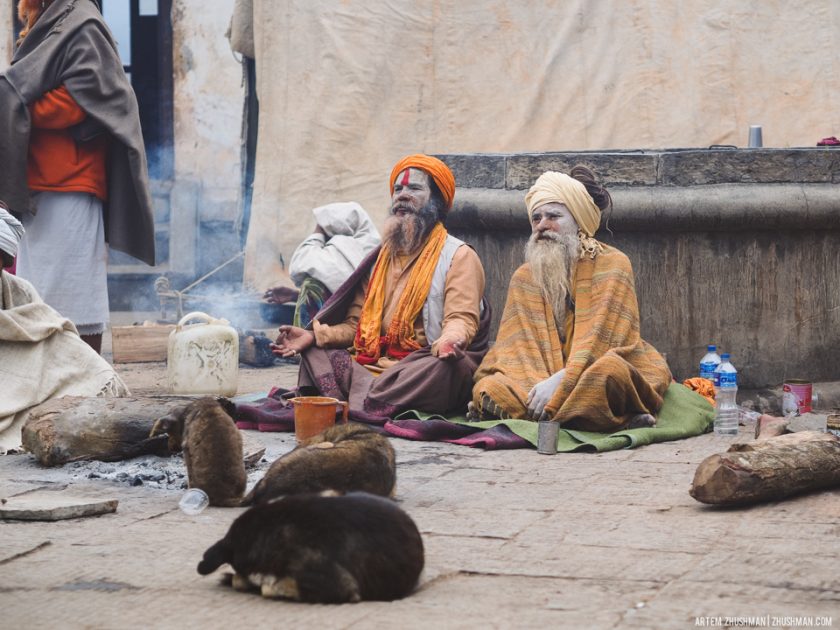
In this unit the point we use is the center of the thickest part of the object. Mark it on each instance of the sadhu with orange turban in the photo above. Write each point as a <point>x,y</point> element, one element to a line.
<point>413,313</point>
<point>434,168</point>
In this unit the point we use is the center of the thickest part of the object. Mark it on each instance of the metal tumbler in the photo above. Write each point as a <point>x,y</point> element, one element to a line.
<point>755,137</point>
<point>547,431</point>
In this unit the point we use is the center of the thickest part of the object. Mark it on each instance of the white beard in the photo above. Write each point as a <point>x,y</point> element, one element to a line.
<point>553,259</point>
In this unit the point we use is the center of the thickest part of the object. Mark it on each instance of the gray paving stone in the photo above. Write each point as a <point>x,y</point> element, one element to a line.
<point>513,539</point>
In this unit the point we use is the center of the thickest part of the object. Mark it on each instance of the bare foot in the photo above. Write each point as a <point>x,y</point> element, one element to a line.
<point>641,420</point>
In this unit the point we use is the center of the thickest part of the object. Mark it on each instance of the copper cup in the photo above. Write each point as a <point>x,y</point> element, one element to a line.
<point>313,414</point>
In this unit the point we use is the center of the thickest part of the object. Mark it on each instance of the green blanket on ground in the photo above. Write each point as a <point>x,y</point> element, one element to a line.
<point>684,414</point>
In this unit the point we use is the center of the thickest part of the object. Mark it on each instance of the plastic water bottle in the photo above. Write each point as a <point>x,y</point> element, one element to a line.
<point>726,409</point>
<point>709,363</point>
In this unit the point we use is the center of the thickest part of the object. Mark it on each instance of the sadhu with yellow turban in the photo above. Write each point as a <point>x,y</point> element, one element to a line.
<point>568,347</point>
<point>411,314</point>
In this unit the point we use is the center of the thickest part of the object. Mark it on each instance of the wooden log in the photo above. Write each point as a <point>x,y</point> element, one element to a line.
<point>769,470</point>
<point>75,428</point>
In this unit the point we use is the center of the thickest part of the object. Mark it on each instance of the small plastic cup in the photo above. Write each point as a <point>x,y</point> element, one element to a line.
<point>194,501</point>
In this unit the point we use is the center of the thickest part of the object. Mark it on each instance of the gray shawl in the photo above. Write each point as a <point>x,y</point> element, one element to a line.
<point>71,45</point>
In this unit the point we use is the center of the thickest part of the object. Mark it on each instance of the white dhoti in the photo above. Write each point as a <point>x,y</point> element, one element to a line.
<point>63,254</point>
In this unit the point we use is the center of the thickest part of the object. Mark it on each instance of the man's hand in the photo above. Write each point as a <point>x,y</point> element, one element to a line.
<point>541,393</point>
<point>292,341</point>
<point>281,295</point>
<point>450,349</point>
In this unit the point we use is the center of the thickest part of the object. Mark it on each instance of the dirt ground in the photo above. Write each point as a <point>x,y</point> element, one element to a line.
<point>513,539</point>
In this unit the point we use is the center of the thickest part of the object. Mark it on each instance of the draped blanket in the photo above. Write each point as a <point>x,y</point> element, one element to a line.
<point>611,373</point>
<point>684,414</point>
<point>43,358</point>
<point>70,45</point>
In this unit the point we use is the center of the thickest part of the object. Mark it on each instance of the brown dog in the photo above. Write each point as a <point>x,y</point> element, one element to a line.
<point>344,458</point>
<point>212,449</point>
<point>322,548</point>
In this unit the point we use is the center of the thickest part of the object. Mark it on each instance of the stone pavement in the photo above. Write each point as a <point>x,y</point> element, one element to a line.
<point>513,539</point>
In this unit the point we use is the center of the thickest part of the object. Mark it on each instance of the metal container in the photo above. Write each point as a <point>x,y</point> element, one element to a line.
<point>547,432</point>
<point>754,141</point>
<point>796,396</point>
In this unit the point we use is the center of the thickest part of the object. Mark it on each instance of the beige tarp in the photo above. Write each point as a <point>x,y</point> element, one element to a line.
<point>347,87</point>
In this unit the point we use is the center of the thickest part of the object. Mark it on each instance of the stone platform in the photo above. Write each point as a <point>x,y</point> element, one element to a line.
<point>513,539</point>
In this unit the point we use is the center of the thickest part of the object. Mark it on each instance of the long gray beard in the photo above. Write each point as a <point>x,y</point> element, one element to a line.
<point>553,260</point>
<point>406,234</point>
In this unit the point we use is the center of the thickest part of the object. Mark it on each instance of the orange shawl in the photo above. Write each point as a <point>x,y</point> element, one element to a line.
<point>606,322</point>
<point>607,319</point>
<point>399,341</point>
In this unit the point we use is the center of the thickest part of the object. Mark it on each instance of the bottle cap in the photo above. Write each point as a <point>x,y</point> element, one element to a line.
<point>711,347</point>
<point>725,356</point>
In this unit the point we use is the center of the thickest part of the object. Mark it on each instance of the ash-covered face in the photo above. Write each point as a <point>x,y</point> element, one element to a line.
<point>413,214</point>
<point>553,217</point>
<point>412,191</point>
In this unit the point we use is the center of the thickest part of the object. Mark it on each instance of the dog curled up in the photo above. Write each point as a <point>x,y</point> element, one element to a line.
<point>212,448</point>
<point>324,548</point>
<point>344,458</point>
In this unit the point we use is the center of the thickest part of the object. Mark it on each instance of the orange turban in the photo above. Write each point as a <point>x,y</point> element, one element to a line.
<point>436,169</point>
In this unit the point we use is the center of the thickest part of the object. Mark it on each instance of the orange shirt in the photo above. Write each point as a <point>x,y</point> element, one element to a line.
<point>56,161</point>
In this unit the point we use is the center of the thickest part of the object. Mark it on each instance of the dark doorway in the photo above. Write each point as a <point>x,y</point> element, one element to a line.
<point>143,29</point>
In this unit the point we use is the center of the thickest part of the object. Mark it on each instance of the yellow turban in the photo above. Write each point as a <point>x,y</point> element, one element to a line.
<point>436,169</point>
<point>553,187</point>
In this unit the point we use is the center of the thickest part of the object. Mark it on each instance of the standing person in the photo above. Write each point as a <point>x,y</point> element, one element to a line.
<point>412,314</point>
<point>74,164</point>
<point>568,347</point>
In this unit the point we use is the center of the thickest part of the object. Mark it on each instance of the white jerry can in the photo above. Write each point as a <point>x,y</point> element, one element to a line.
<point>203,358</point>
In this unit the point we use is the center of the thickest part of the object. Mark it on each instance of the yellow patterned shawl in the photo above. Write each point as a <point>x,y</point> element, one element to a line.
<point>399,341</point>
<point>528,347</point>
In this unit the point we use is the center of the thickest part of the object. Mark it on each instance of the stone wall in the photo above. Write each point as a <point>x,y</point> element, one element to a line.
<point>7,49</point>
<point>208,98</point>
<point>739,247</point>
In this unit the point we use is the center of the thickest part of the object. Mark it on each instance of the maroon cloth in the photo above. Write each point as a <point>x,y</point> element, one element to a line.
<point>419,381</point>
<point>335,308</point>
<point>274,413</point>
<point>495,438</point>
<point>277,413</point>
